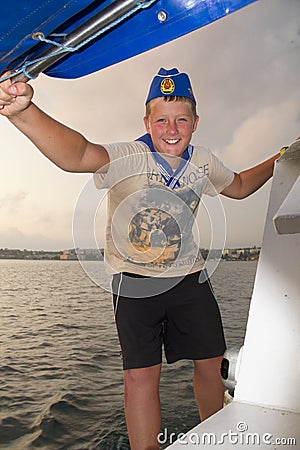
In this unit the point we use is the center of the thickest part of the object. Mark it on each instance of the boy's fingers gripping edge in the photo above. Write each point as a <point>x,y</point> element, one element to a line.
<point>21,93</point>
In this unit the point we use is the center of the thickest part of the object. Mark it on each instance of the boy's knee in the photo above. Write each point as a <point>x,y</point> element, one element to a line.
<point>141,384</point>
<point>142,377</point>
<point>208,367</point>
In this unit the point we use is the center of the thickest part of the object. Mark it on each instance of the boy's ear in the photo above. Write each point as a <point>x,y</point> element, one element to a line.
<point>196,121</point>
<point>146,123</point>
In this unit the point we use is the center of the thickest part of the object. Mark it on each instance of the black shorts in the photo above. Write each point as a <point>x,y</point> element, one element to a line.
<point>185,319</point>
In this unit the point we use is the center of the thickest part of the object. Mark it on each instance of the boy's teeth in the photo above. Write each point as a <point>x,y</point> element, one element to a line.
<point>171,141</point>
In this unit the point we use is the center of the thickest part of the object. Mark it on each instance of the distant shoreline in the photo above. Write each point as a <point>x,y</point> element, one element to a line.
<point>234,254</point>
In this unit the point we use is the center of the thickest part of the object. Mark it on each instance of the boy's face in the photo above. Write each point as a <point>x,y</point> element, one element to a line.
<point>171,125</point>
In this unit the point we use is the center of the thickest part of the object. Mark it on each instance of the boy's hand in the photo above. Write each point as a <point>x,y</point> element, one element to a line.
<point>14,98</point>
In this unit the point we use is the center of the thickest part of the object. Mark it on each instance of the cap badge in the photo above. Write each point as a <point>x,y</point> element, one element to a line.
<point>167,86</point>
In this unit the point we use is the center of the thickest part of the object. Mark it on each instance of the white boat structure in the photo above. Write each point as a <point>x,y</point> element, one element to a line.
<point>265,411</point>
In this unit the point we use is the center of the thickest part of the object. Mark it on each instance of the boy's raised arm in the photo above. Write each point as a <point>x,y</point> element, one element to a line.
<point>65,147</point>
<point>249,181</point>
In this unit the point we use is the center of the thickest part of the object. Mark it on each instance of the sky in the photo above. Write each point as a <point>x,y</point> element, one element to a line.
<point>244,70</point>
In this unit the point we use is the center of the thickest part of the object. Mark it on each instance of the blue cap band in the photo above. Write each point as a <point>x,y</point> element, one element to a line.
<point>171,83</point>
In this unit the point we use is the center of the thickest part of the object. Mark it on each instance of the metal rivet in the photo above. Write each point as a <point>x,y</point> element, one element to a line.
<point>162,16</point>
<point>37,35</point>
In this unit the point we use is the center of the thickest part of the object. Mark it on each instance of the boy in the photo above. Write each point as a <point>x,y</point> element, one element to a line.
<point>155,185</point>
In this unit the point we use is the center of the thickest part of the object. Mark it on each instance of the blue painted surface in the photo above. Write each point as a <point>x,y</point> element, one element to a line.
<point>135,35</point>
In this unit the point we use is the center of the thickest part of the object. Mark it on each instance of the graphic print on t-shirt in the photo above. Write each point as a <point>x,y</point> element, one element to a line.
<point>160,229</point>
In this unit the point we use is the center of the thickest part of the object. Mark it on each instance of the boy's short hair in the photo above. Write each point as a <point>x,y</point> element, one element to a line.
<point>175,98</point>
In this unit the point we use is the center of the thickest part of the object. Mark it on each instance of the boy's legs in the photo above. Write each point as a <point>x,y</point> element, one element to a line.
<point>142,403</point>
<point>208,386</point>
<point>142,407</point>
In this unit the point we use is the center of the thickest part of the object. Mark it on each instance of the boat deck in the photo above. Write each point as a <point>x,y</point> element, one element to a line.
<point>242,425</point>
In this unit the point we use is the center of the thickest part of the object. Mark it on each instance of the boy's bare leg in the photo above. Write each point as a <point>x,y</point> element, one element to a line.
<point>142,407</point>
<point>208,386</point>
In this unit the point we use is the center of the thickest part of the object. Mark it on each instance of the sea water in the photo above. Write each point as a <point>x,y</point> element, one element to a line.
<point>60,369</point>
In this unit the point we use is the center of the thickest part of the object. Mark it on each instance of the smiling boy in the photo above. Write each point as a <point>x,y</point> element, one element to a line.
<point>155,185</point>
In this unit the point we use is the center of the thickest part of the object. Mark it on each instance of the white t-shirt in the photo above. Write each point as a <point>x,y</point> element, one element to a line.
<point>149,225</point>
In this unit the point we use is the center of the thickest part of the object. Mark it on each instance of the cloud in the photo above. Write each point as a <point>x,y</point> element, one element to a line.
<point>36,227</point>
<point>13,202</point>
<point>14,237</point>
<point>262,134</point>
